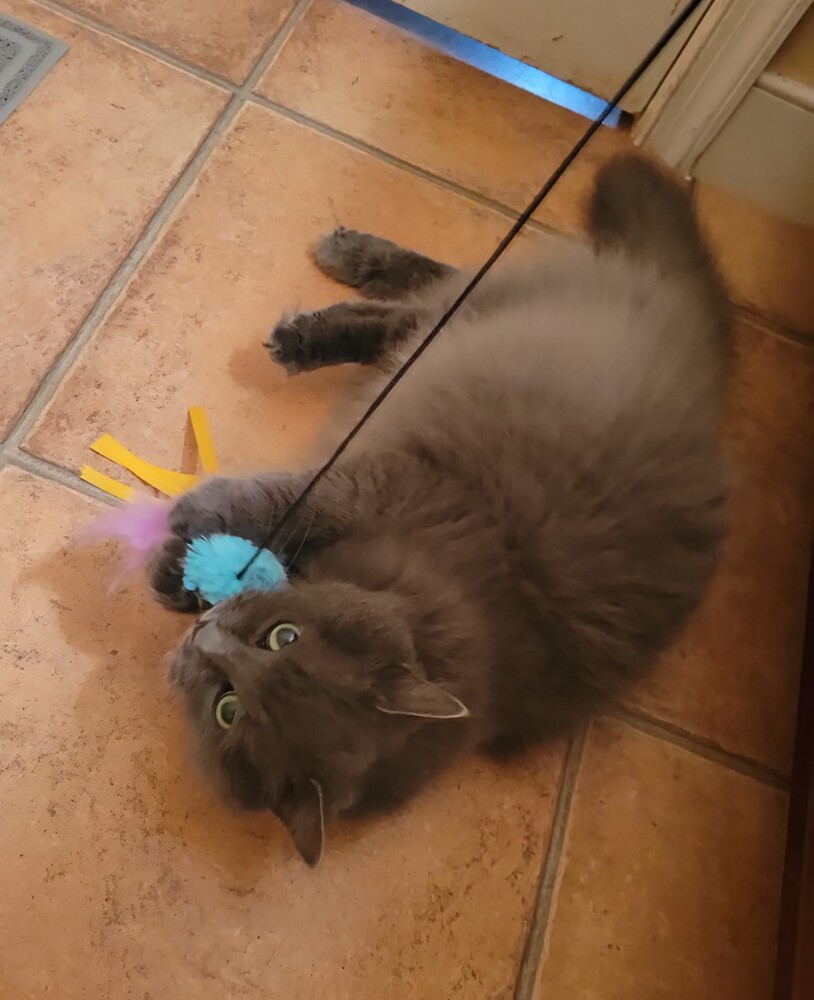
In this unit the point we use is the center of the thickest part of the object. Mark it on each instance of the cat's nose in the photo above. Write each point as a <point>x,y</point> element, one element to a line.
<point>196,628</point>
<point>204,619</point>
<point>211,640</point>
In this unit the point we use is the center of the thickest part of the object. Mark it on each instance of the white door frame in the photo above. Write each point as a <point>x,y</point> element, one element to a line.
<point>722,59</point>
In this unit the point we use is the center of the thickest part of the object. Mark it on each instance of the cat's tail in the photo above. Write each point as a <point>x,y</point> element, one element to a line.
<point>638,209</point>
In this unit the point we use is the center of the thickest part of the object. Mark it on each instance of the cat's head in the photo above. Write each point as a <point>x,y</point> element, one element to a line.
<point>293,696</point>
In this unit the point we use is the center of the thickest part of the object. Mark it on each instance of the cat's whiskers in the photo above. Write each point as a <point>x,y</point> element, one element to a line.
<point>283,545</point>
<point>304,538</point>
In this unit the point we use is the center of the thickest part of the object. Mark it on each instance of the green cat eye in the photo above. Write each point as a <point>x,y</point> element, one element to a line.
<point>281,635</point>
<point>226,709</point>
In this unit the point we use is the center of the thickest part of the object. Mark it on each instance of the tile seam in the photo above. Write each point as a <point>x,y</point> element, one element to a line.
<point>362,146</point>
<point>772,325</point>
<point>107,298</point>
<point>706,749</point>
<point>146,240</point>
<point>134,42</point>
<point>295,15</point>
<point>48,471</point>
<point>533,951</point>
<point>245,90</point>
<point>775,325</point>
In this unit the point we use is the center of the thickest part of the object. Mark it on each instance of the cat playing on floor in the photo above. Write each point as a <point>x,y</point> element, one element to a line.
<point>516,535</point>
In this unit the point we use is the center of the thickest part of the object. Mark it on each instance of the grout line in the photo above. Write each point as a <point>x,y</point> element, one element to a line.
<point>164,55</point>
<point>267,58</point>
<point>137,43</point>
<point>770,324</point>
<point>533,953</point>
<point>698,745</point>
<point>42,468</point>
<point>148,238</point>
<point>531,961</point>
<point>396,161</point>
<point>244,90</point>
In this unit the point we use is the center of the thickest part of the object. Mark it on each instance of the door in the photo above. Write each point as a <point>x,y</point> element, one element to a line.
<point>593,44</point>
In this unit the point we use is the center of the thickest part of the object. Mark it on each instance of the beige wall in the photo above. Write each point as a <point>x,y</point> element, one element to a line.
<point>765,152</point>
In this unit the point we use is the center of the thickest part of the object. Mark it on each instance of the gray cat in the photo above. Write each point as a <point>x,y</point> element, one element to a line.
<point>517,534</point>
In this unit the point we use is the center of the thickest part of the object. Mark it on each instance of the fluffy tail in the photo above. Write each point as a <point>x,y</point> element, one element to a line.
<point>638,209</point>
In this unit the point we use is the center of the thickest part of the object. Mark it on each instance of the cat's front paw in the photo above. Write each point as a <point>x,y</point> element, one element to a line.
<point>223,505</point>
<point>244,507</point>
<point>291,344</point>
<point>166,577</point>
<point>347,255</point>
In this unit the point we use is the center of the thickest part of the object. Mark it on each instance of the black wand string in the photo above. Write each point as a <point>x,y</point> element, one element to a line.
<point>504,244</point>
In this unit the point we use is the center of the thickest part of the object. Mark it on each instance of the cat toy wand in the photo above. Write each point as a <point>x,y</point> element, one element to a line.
<point>222,566</point>
<point>665,39</point>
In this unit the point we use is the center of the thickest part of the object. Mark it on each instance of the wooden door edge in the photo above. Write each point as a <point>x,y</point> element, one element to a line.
<point>723,58</point>
<point>794,978</point>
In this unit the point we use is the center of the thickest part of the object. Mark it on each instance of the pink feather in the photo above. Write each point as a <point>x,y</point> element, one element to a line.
<point>141,526</point>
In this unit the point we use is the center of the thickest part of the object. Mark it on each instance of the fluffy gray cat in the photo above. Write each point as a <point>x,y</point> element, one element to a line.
<point>517,534</point>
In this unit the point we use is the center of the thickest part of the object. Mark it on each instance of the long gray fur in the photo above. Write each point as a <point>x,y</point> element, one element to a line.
<point>516,536</point>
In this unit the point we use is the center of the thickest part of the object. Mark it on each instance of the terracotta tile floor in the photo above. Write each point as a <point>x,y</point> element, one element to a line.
<point>160,190</point>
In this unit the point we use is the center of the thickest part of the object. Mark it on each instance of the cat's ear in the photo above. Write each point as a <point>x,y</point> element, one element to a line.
<point>302,812</point>
<point>400,692</point>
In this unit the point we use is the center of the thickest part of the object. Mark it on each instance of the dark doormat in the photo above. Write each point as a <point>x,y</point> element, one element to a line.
<point>26,55</point>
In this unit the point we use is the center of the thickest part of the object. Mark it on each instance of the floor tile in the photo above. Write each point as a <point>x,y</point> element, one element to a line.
<point>732,678</point>
<point>87,159</point>
<point>224,36</point>
<point>140,884</point>
<point>670,880</point>
<point>189,329</point>
<point>765,260</point>
<point>363,76</point>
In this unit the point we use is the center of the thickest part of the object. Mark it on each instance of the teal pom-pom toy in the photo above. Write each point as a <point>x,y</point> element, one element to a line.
<point>213,564</point>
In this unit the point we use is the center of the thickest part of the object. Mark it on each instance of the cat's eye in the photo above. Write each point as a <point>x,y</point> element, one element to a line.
<point>281,635</point>
<point>226,709</point>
